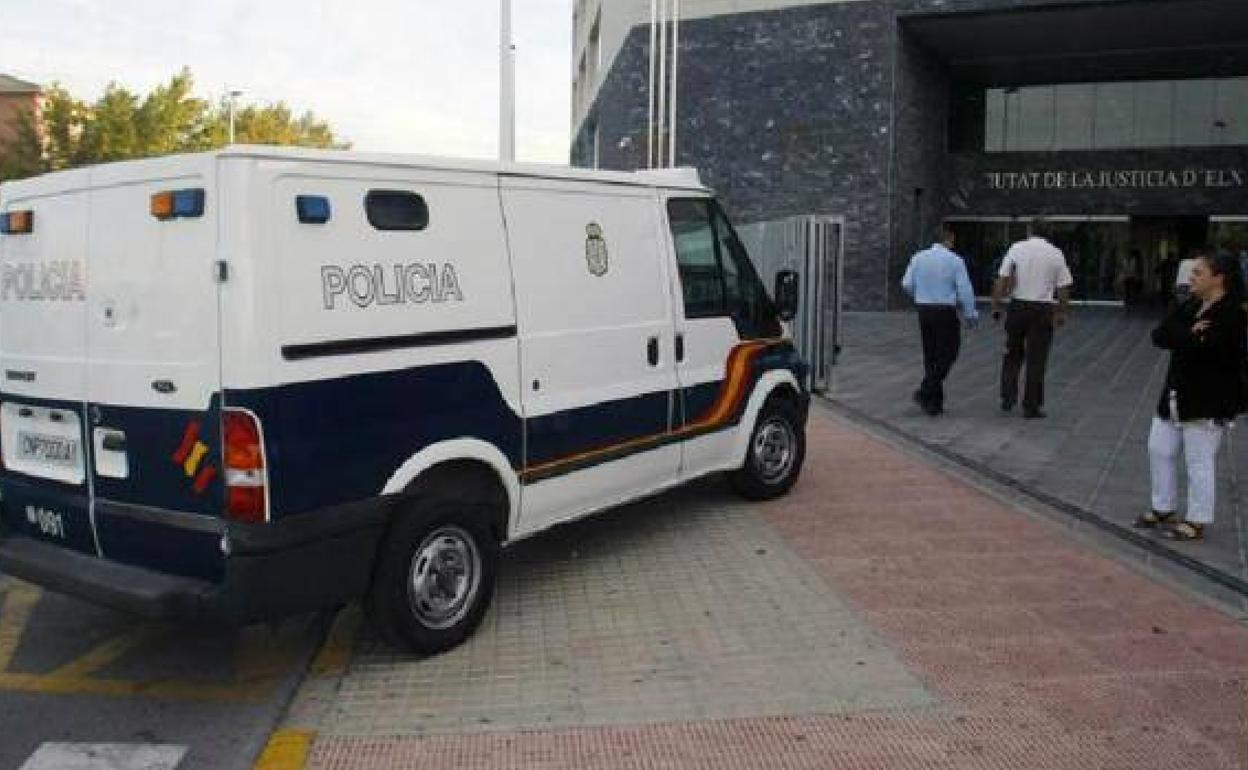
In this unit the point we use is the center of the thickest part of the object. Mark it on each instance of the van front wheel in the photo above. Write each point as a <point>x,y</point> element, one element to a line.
<point>775,453</point>
<point>435,578</point>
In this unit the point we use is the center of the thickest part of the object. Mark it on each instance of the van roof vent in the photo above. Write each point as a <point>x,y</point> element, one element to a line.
<point>681,176</point>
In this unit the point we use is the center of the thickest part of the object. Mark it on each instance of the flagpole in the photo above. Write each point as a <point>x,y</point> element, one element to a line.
<point>650,90</point>
<point>506,87</point>
<point>671,157</point>
<point>662,80</point>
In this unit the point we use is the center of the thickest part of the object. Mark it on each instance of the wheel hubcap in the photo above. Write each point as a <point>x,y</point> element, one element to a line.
<point>773,450</point>
<point>444,577</point>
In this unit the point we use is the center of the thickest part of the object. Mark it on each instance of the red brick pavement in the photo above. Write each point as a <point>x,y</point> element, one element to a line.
<point>1041,653</point>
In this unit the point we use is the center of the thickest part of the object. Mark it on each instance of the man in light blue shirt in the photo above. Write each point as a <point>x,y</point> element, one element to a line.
<point>937,280</point>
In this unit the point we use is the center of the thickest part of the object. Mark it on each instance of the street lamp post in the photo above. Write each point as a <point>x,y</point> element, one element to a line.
<point>233,95</point>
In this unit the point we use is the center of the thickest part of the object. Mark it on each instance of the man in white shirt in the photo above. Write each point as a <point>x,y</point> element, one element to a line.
<point>1035,277</point>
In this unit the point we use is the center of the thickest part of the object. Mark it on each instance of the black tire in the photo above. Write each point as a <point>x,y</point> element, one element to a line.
<point>452,546</point>
<point>774,455</point>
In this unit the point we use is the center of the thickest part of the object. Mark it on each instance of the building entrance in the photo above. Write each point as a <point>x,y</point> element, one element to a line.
<point>1096,248</point>
<point>1158,244</point>
<point>1112,258</point>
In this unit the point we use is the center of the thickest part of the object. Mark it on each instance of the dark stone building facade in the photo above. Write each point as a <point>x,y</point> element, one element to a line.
<point>888,113</point>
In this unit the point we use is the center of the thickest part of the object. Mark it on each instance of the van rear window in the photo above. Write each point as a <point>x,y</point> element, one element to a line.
<point>396,210</point>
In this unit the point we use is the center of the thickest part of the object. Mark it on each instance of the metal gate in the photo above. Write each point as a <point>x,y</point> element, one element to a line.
<point>810,245</point>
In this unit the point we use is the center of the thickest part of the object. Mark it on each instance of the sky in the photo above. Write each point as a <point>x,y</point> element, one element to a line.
<point>417,76</point>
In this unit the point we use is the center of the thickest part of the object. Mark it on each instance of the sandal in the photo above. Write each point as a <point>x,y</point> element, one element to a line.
<point>1186,530</point>
<point>1152,519</point>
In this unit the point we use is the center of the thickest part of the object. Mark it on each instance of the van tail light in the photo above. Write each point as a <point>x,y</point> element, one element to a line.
<point>246,495</point>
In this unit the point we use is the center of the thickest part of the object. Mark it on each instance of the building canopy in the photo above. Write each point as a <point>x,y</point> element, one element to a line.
<point>1088,41</point>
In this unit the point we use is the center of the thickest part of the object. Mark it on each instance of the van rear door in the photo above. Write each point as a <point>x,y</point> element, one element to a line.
<point>153,378</point>
<point>43,353</point>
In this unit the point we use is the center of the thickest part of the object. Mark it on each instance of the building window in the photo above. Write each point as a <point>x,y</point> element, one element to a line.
<point>1154,114</point>
<point>1072,110</point>
<point>1101,116</point>
<point>583,85</point>
<point>1230,117</point>
<point>1113,116</point>
<point>1033,116</point>
<point>1193,114</point>
<point>595,47</point>
<point>591,143</point>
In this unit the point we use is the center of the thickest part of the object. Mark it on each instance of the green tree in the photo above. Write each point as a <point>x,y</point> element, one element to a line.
<point>23,155</point>
<point>171,120</point>
<point>110,131</point>
<point>64,119</point>
<point>120,125</point>
<point>271,124</point>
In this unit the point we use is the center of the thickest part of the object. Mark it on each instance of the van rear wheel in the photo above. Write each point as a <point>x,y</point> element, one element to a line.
<point>775,453</point>
<point>435,578</point>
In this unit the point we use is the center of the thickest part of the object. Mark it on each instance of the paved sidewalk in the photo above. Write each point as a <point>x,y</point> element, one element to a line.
<point>885,614</point>
<point>1090,453</point>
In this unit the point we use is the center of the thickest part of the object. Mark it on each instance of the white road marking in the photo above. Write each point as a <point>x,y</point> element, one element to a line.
<point>105,756</point>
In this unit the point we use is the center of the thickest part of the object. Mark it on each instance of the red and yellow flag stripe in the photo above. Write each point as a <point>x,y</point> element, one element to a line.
<point>732,393</point>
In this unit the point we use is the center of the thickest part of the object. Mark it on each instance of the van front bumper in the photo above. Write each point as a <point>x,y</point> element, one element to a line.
<point>311,561</point>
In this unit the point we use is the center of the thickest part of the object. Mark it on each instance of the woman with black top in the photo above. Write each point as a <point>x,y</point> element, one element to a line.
<point>1204,391</point>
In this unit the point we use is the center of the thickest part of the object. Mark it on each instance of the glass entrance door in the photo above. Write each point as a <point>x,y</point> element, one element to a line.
<point>1229,233</point>
<point>1096,249</point>
<point>1159,243</point>
<point>1096,252</point>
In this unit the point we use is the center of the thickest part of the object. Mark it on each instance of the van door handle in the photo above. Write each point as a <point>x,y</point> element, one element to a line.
<point>680,348</point>
<point>652,351</point>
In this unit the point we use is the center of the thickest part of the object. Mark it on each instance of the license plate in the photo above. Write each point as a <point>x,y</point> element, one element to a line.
<point>55,450</point>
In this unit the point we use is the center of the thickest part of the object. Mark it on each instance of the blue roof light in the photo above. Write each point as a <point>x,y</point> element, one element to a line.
<point>312,209</point>
<point>188,203</point>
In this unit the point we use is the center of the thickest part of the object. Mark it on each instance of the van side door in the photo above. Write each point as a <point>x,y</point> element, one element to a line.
<point>594,315</point>
<point>722,304</point>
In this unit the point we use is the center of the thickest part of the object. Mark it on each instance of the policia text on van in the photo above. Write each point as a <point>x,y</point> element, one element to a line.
<point>259,381</point>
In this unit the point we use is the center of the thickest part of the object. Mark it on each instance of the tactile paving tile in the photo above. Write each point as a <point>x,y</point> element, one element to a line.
<point>1073,662</point>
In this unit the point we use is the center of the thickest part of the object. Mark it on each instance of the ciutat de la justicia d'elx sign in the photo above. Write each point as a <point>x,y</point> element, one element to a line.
<point>1125,179</point>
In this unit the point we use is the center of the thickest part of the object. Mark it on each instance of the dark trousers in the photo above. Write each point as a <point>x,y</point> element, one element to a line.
<point>942,337</point>
<point>1028,337</point>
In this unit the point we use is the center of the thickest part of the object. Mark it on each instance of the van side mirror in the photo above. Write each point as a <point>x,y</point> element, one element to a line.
<point>786,294</point>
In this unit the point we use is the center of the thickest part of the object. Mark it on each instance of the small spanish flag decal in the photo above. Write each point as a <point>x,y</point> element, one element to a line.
<point>191,464</point>
<point>190,455</point>
<point>204,478</point>
<point>189,437</point>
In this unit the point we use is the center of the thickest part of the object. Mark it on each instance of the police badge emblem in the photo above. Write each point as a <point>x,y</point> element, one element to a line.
<point>595,249</point>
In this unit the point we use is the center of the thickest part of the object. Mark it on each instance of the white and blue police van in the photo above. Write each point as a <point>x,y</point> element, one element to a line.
<point>246,383</point>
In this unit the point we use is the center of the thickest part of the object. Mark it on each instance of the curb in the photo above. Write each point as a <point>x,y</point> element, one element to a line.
<point>1221,577</point>
<point>290,743</point>
<point>286,750</point>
